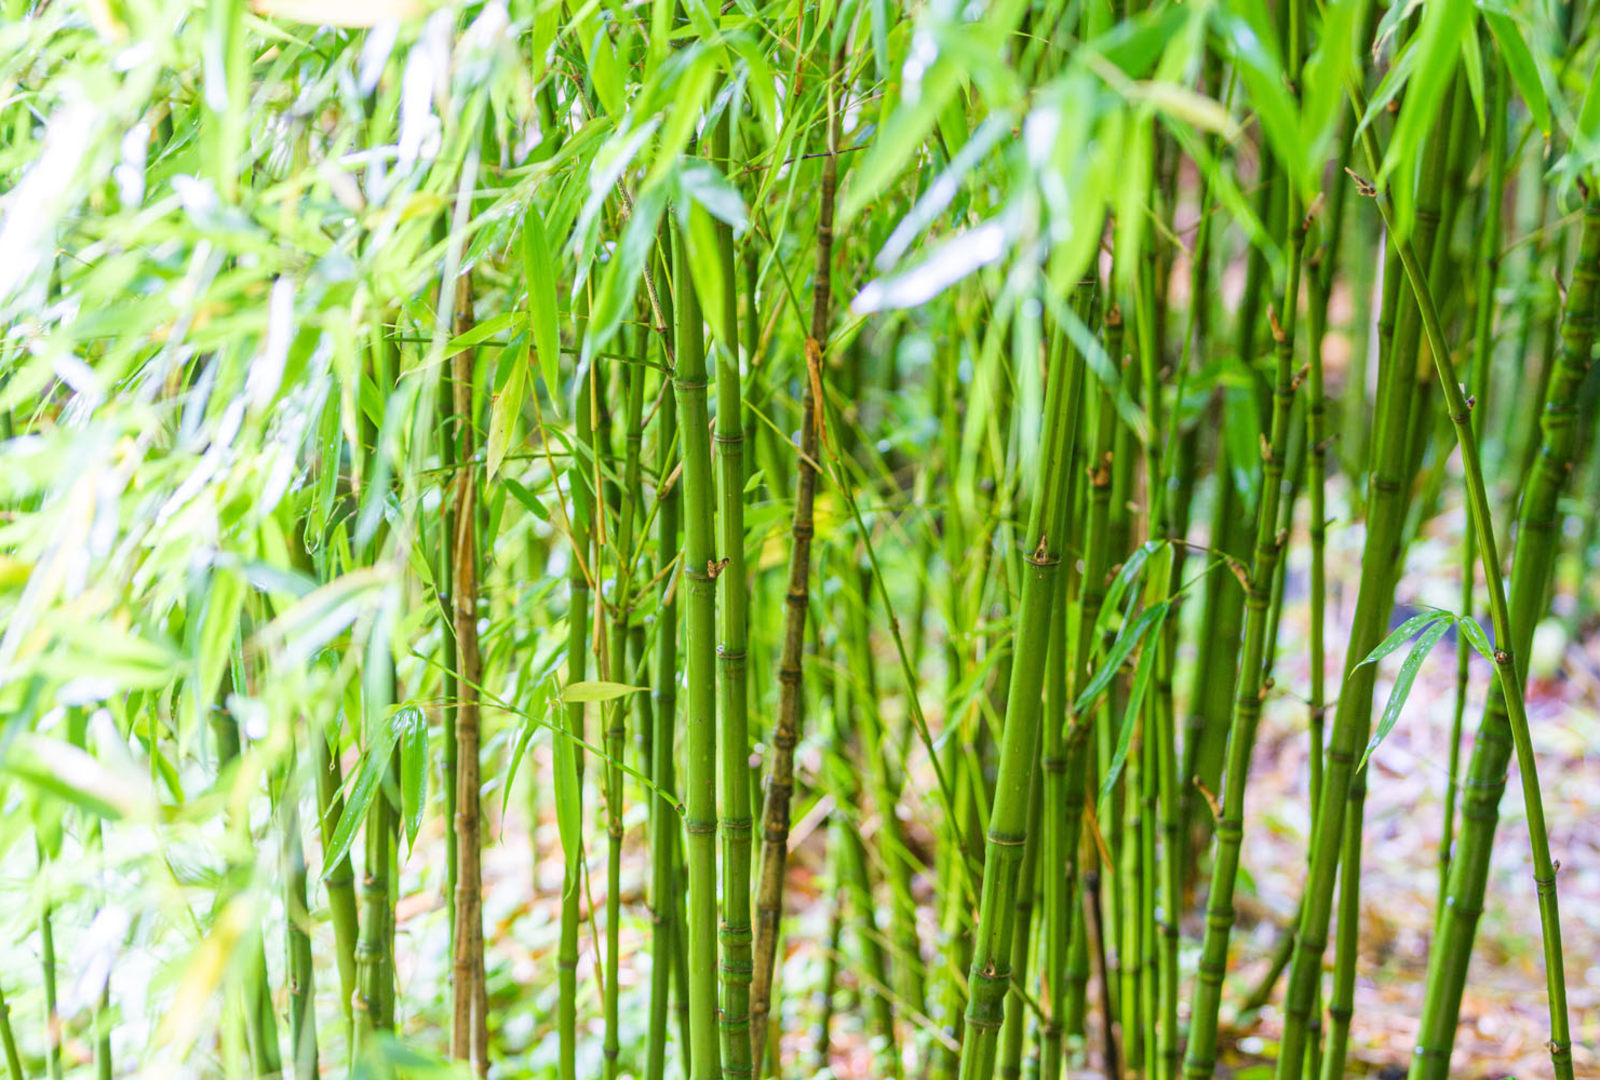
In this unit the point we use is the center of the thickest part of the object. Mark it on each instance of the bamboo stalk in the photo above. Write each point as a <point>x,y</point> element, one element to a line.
<point>700,571</point>
<point>1343,792</point>
<point>791,691</point>
<point>584,509</point>
<point>665,901</point>
<point>989,978</point>
<point>468,1039</point>
<point>735,933</point>
<point>1504,725</point>
<point>1200,1057</point>
<point>339,879</point>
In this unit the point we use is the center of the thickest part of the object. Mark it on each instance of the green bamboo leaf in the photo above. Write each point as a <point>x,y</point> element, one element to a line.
<point>686,79</point>
<point>1111,603</point>
<point>69,772</point>
<point>413,727</point>
<point>625,270</point>
<point>1402,685</point>
<point>506,411</point>
<point>897,141</point>
<point>1524,69</point>
<point>539,275</point>
<point>596,690</point>
<point>538,701</point>
<point>1437,48</point>
<point>711,189</point>
<point>569,812</point>
<point>1472,65</point>
<point>1402,633</point>
<point>369,778</point>
<point>1136,692</point>
<point>526,498</point>
<point>1118,654</point>
<point>483,331</point>
<point>705,265</point>
<point>1469,628</point>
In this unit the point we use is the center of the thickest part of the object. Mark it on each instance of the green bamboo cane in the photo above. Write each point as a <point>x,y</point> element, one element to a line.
<point>616,728</point>
<point>1064,761</point>
<point>260,1019</point>
<point>1200,1059</point>
<point>1016,1011</point>
<point>1575,365</point>
<point>578,610</point>
<point>1385,490</point>
<point>1477,381</point>
<point>1060,861</point>
<point>1505,719</point>
<point>1097,560</point>
<point>666,904</point>
<point>1007,834</point>
<point>9,1039</point>
<point>1336,825</point>
<point>339,879</point>
<point>791,691</point>
<point>297,918</point>
<point>372,954</point>
<point>700,572</point>
<point>733,703</point>
<point>850,854</point>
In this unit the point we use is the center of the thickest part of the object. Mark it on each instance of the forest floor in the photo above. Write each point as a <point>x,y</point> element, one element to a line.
<point>1504,1017</point>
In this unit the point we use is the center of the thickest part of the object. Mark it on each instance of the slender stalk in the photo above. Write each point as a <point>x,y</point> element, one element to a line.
<point>665,901</point>
<point>297,917</point>
<point>468,1041</point>
<point>13,1058</point>
<point>1014,1026</point>
<point>791,692</point>
<point>1504,726</point>
<point>1044,541</point>
<point>700,571</point>
<point>1336,828</point>
<point>733,703</point>
<point>1200,1058</point>
<point>372,952</point>
<point>1477,383</point>
<point>578,611</point>
<point>339,879</point>
<point>47,962</point>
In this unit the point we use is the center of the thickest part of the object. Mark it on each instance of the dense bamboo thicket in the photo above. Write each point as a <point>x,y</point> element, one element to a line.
<point>657,539</point>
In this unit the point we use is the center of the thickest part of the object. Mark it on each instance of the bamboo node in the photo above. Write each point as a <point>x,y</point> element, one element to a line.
<point>1364,187</point>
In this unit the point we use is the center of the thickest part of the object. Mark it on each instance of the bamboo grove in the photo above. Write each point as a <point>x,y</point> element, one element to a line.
<point>659,539</point>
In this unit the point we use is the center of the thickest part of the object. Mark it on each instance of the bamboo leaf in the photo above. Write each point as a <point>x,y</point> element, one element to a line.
<point>597,690</point>
<point>539,275</point>
<point>1111,603</point>
<point>506,411</point>
<point>1118,654</point>
<point>1473,632</point>
<point>568,808</point>
<point>1523,68</point>
<point>1402,633</point>
<point>413,726</point>
<point>369,778</point>
<point>1402,684</point>
<point>1136,691</point>
<point>527,498</point>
